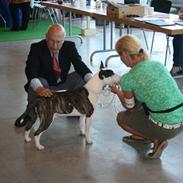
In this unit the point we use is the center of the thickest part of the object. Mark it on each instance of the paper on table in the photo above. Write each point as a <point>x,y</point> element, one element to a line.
<point>161,15</point>
<point>145,18</point>
<point>155,16</point>
<point>160,22</point>
<point>155,21</point>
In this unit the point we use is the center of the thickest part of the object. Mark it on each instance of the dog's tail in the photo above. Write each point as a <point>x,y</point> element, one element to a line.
<point>25,117</point>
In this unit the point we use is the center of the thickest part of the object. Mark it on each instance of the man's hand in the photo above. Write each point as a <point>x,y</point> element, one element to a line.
<point>44,92</point>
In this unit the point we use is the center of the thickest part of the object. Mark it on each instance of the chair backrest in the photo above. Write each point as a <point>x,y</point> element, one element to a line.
<point>34,2</point>
<point>163,6</point>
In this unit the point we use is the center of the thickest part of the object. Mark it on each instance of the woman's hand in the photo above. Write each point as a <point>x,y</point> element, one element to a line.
<point>115,89</point>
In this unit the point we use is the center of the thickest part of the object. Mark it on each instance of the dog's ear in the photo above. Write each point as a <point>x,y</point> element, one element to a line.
<point>101,74</point>
<point>101,65</point>
<point>105,73</point>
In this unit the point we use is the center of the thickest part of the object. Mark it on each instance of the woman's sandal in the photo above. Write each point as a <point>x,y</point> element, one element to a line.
<point>133,139</point>
<point>157,153</point>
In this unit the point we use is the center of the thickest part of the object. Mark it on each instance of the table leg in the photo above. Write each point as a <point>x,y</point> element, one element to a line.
<point>70,27</point>
<point>104,42</point>
<point>167,47</point>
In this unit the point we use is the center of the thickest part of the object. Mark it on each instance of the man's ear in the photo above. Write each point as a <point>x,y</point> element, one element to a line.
<point>101,65</point>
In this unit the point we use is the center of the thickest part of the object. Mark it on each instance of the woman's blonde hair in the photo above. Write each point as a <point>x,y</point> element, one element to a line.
<point>131,45</point>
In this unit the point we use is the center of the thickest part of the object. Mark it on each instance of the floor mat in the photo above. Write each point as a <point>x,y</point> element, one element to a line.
<point>36,30</point>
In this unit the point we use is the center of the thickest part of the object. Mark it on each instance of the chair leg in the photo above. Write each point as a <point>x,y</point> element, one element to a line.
<point>3,20</point>
<point>39,13</point>
<point>50,15</point>
<point>35,13</point>
<point>54,15</point>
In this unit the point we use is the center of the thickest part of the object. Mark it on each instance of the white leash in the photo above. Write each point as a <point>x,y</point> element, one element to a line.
<point>108,98</point>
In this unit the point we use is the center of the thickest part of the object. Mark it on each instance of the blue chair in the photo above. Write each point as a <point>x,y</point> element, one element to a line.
<point>39,10</point>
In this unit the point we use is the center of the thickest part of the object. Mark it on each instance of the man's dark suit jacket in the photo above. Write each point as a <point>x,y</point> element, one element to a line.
<point>39,62</point>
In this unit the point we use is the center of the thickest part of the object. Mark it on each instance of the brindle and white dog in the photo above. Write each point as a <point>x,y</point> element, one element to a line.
<point>77,102</point>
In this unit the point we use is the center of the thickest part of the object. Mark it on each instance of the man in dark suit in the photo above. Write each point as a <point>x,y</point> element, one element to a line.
<point>48,65</point>
<point>41,76</point>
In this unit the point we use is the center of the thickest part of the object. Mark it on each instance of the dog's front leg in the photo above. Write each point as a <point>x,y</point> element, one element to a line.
<point>88,126</point>
<point>82,120</point>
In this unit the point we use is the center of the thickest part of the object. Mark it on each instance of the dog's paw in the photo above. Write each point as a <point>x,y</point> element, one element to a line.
<point>27,139</point>
<point>82,133</point>
<point>40,147</point>
<point>89,141</point>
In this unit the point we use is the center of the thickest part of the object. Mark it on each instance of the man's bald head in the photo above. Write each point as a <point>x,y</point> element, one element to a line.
<point>55,37</point>
<point>56,28</point>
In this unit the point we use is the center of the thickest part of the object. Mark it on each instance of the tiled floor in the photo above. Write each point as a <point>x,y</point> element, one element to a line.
<point>66,158</point>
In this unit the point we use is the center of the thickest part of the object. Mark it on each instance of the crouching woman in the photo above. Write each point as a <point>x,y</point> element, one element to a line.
<point>153,101</point>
